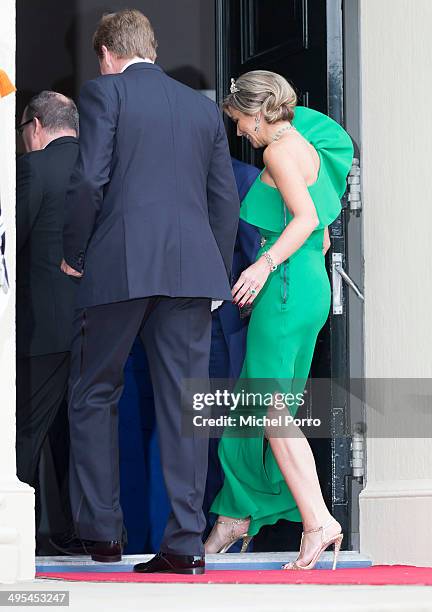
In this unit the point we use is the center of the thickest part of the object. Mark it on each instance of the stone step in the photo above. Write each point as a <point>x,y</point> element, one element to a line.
<point>228,561</point>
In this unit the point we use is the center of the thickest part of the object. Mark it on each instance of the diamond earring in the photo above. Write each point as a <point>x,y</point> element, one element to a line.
<point>257,123</point>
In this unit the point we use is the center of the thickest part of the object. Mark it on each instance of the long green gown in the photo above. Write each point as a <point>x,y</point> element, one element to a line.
<point>287,315</point>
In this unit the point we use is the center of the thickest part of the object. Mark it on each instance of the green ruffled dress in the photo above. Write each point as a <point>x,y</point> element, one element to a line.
<point>287,316</point>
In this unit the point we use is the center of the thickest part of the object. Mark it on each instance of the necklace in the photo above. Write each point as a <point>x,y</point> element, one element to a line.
<point>283,129</point>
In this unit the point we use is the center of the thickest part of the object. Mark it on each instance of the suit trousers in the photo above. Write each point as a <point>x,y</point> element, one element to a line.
<point>41,401</point>
<point>176,335</point>
<point>219,368</point>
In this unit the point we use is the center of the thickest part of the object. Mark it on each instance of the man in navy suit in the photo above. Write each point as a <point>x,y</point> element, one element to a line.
<point>151,221</point>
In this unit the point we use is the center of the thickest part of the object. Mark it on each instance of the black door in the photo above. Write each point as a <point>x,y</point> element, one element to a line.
<point>302,40</point>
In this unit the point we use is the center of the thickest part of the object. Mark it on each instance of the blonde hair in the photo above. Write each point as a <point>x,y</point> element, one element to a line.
<point>265,92</point>
<point>127,33</point>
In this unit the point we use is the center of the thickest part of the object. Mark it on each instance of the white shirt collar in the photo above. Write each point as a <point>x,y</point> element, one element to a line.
<point>137,60</point>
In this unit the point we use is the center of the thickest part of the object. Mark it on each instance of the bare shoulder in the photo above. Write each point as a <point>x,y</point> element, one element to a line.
<point>292,155</point>
<point>282,154</point>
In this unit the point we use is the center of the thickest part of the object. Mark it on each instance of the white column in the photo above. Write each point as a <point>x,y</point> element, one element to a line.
<point>16,498</point>
<point>396,93</point>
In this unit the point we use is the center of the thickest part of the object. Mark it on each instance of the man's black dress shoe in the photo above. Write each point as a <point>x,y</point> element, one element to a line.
<point>104,552</point>
<point>168,563</point>
<point>68,544</point>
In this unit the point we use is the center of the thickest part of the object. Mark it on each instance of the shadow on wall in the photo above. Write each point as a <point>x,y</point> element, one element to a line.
<point>54,43</point>
<point>189,75</point>
<point>46,55</point>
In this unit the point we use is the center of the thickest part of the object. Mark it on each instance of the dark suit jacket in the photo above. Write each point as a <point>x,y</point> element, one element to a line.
<point>153,206</point>
<point>248,236</point>
<point>45,296</point>
<point>246,248</point>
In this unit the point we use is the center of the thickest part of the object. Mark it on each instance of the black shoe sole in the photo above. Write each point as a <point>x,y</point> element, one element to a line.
<point>106,558</point>
<point>193,570</point>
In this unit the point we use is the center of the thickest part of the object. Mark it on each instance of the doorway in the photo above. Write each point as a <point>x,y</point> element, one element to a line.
<point>54,51</point>
<point>204,43</point>
<point>305,41</point>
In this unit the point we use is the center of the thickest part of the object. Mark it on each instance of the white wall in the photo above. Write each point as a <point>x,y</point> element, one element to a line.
<point>396,93</point>
<point>16,499</point>
<point>7,191</point>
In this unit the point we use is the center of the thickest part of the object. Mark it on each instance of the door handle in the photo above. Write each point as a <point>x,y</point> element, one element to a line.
<point>338,276</point>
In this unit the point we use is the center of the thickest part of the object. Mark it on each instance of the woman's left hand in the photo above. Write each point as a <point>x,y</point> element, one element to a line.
<point>250,282</point>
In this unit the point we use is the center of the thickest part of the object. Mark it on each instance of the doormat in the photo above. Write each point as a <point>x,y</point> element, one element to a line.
<point>373,575</point>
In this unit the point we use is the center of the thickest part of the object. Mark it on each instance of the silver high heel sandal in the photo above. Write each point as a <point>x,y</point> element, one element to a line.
<point>233,537</point>
<point>325,543</point>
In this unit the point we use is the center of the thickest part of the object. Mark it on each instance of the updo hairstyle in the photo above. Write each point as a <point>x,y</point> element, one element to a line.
<point>265,92</point>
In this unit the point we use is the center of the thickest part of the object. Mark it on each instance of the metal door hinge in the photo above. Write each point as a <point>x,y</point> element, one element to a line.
<point>354,186</point>
<point>357,452</point>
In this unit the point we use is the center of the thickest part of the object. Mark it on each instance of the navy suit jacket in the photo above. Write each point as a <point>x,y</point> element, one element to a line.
<point>45,296</point>
<point>246,248</point>
<point>153,206</point>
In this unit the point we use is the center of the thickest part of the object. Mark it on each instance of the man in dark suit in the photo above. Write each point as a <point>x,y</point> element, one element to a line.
<point>45,296</point>
<point>152,215</point>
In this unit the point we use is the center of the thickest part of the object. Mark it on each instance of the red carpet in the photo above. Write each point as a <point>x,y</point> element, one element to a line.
<point>374,575</point>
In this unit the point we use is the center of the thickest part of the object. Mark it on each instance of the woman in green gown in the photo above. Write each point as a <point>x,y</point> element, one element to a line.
<point>307,158</point>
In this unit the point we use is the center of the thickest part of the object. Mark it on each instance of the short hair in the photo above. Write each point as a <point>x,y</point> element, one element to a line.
<point>263,91</point>
<point>55,111</point>
<point>127,33</point>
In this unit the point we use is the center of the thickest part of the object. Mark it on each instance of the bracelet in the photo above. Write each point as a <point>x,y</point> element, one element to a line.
<point>270,261</point>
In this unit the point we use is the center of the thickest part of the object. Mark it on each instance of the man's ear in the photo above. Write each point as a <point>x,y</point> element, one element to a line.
<point>106,55</point>
<point>37,126</point>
